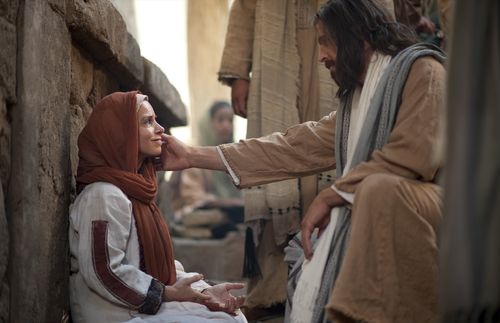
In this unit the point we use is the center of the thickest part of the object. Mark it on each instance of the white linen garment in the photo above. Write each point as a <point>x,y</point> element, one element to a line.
<point>308,285</point>
<point>106,284</point>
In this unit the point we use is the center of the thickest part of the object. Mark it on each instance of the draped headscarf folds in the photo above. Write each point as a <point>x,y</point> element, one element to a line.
<point>108,152</point>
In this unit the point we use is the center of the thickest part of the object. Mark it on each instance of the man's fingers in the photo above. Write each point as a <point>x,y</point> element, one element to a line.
<point>306,242</point>
<point>322,226</point>
<point>235,104</point>
<point>243,109</point>
<point>320,231</point>
<point>240,107</point>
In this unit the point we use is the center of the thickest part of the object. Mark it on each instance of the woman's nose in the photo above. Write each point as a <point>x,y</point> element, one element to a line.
<point>159,128</point>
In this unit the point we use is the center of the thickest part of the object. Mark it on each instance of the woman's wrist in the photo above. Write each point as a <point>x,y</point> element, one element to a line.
<point>168,293</point>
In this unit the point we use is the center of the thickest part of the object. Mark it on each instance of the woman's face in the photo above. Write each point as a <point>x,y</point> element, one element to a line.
<point>222,123</point>
<point>149,132</point>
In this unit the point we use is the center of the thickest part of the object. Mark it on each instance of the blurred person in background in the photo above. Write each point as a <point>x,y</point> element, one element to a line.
<point>194,189</point>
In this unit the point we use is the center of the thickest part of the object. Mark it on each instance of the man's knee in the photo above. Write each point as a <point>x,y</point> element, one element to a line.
<point>379,187</point>
<point>396,195</point>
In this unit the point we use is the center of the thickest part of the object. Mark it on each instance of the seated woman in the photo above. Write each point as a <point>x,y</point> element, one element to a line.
<point>195,188</point>
<point>122,261</point>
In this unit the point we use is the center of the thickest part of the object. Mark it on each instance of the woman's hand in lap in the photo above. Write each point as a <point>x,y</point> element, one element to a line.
<point>221,300</point>
<point>181,291</point>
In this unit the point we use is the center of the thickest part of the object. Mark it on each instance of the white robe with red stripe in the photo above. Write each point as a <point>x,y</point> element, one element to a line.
<point>106,284</point>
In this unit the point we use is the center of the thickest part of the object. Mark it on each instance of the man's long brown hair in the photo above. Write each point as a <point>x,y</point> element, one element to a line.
<point>348,24</point>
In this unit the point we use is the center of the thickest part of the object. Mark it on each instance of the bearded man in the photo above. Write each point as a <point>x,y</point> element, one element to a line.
<point>376,258</point>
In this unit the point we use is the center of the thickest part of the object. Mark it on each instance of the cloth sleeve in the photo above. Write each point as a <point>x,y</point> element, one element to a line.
<point>105,227</point>
<point>301,150</point>
<point>349,197</point>
<point>237,54</point>
<point>412,150</point>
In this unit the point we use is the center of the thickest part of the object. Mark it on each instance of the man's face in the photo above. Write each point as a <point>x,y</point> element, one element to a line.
<point>327,49</point>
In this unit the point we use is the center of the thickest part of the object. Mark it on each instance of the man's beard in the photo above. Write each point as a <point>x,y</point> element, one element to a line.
<point>333,75</point>
<point>328,65</point>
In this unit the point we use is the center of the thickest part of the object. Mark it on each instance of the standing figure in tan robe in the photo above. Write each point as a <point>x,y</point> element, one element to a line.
<point>383,141</point>
<point>270,63</point>
<point>270,57</point>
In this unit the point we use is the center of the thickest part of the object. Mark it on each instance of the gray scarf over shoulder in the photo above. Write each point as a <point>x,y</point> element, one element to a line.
<point>379,122</point>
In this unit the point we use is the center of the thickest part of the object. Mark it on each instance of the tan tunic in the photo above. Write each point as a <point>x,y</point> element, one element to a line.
<point>276,42</point>
<point>308,148</point>
<point>409,156</point>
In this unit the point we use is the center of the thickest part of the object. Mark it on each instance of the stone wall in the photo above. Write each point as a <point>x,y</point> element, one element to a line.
<point>8,40</point>
<point>57,59</point>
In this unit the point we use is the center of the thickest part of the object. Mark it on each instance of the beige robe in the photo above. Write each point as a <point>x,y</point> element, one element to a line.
<point>389,272</point>
<point>276,42</point>
<point>288,86</point>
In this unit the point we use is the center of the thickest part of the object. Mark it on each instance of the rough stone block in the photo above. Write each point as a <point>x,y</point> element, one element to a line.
<point>4,257</point>
<point>4,237</point>
<point>78,119</point>
<point>4,302</point>
<point>164,97</point>
<point>58,6</point>
<point>99,28</point>
<point>38,195</point>
<point>8,10</point>
<point>8,58</point>
<point>82,77</point>
<point>103,85</point>
<point>5,136</point>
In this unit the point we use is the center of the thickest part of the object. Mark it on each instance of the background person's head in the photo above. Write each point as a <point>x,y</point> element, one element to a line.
<point>221,119</point>
<point>349,30</point>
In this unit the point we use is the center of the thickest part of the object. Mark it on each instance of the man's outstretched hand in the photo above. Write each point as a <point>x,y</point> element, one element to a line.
<point>221,300</point>
<point>318,216</point>
<point>174,154</point>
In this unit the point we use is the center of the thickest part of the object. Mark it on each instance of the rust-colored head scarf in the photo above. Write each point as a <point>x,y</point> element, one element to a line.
<point>108,152</point>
